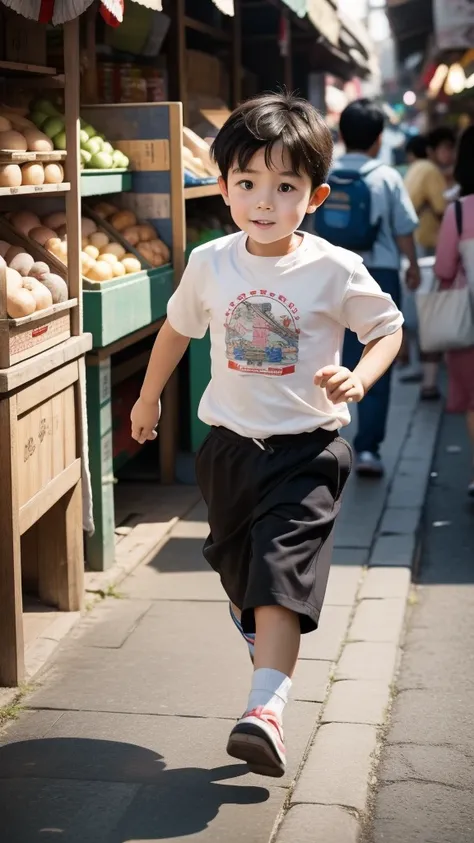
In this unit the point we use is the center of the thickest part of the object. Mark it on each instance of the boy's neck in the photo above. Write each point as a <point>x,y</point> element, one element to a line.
<point>369,153</point>
<point>278,249</point>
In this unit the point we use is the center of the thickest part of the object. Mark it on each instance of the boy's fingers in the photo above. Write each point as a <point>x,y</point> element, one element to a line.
<point>326,372</point>
<point>337,379</point>
<point>152,435</point>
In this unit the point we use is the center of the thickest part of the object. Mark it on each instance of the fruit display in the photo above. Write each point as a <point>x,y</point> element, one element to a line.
<point>101,258</point>
<point>31,286</point>
<point>197,157</point>
<point>96,152</point>
<point>142,236</point>
<point>19,135</point>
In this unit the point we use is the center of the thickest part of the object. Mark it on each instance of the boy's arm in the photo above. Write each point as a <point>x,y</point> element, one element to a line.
<point>406,244</point>
<point>167,352</point>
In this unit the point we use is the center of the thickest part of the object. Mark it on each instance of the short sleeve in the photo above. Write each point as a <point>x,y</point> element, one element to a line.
<point>404,219</point>
<point>367,310</point>
<point>186,311</point>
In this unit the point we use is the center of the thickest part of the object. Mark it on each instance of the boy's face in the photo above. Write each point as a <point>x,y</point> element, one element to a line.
<point>269,204</point>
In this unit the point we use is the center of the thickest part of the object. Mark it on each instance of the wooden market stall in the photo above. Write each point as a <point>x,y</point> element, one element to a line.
<point>42,349</point>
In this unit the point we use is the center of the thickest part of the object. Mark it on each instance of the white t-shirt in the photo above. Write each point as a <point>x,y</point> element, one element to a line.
<point>273,323</point>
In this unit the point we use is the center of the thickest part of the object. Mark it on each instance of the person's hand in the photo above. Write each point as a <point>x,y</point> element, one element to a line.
<point>340,384</point>
<point>145,418</point>
<point>413,277</point>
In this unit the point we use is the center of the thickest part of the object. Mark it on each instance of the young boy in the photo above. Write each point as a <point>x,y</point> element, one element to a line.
<point>273,467</point>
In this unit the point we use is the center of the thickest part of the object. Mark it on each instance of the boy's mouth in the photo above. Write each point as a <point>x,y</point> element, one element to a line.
<point>262,223</point>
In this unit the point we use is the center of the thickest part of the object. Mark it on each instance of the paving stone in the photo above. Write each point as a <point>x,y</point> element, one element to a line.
<point>422,812</point>
<point>311,680</point>
<point>310,823</point>
<point>345,556</point>
<point>338,766</point>
<point>400,520</point>
<point>386,582</point>
<point>368,661</point>
<point>407,491</point>
<point>191,585</point>
<point>451,766</point>
<point>326,642</point>
<point>109,625</point>
<point>357,702</point>
<point>379,620</point>
<point>135,749</point>
<point>343,585</point>
<point>394,550</point>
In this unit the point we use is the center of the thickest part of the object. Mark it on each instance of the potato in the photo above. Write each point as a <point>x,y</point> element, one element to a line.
<point>10,175</point>
<point>146,232</point>
<point>3,263</point>
<point>146,252</point>
<point>13,278</point>
<point>12,253</point>
<point>24,221</point>
<point>53,173</point>
<point>53,244</point>
<point>37,141</point>
<point>161,248</point>
<point>118,269</point>
<point>32,173</point>
<point>42,234</point>
<point>131,234</point>
<point>4,247</point>
<point>20,303</point>
<point>123,220</point>
<point>105,210</point>
<point>13,141</point>
<point>99,239</point>
<point>114,249</point>
<point>62,232</point>
<point>5,125</point>
<point>55,220</point>
<point>88,226</point>
<point>131,264</point>
<point>38,268</point>
<point>22,263</point>
<point>86,263</point>
<point>108,258</point>
<point>92,251</point>
<point>40,293</point>
<point>56,286</point>
<point>101,271</point>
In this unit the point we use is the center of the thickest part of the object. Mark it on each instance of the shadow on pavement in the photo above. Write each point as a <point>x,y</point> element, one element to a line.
<point>74,789</point>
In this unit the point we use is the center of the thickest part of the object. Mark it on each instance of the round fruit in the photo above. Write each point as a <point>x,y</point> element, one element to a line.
<point>53,126</point>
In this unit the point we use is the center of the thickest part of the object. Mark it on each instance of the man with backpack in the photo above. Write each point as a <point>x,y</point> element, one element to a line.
<point>369,212</point>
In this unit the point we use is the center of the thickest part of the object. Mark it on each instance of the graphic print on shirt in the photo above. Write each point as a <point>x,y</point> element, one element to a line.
<point>262,334</point>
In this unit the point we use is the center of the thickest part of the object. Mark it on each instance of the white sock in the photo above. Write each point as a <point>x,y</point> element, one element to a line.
<point>270,689</point>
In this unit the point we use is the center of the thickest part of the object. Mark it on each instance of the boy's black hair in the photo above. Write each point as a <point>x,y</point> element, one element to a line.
<point>361,124</point>
<point>263,121</point>
<point>418,146</point>
<point>443,134</point>
<point>464,169</point>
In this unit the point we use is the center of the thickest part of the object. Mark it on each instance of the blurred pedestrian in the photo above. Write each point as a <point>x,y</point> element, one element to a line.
<point>455,262</point>
<point>427,181</point>
<point>392,220</point>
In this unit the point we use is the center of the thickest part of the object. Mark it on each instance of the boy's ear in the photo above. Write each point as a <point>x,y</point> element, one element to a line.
<point>223,189</point>
<point>319,196</point>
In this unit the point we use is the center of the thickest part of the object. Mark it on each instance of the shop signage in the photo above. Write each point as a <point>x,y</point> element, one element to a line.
<point>454,24</point>
<point>325,19</point>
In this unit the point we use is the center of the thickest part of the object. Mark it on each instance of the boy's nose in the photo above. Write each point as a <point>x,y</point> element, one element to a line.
<point>264,205</point>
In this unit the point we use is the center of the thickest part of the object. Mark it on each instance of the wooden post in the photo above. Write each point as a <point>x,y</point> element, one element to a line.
<point>73,197</point>
<point>60,553</point>
<point>177,67</point>
<point>11,600</point>
<point>236,54</point>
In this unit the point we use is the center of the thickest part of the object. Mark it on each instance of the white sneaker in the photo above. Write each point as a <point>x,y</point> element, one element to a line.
<point>258,739</point>
<point>369,465</point>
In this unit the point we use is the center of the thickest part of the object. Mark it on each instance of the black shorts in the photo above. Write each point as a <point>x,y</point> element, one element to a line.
<point>271,517</point>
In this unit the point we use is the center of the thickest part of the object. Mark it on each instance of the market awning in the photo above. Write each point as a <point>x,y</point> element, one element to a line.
<point>61,11</point>
<point>411,22</point>
<point>325,18</point>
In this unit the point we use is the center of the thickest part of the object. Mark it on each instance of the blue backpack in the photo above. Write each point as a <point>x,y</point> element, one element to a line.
<point>345,219</point>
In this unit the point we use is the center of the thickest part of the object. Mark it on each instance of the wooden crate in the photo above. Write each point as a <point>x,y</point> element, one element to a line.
<point>40,493</point>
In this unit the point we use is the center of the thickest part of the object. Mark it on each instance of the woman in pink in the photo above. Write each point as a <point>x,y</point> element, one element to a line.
<point>455,256</point>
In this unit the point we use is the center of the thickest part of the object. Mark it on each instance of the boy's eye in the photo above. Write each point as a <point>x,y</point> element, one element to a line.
<point>245,184</point>
<point>286,188</point>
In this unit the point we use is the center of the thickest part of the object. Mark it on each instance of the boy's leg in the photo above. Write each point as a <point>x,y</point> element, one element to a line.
<point>249,637</point>
<point>258,736</point>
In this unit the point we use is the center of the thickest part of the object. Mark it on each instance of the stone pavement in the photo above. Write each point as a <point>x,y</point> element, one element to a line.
<point>124,738</point>
<point>426,775</point>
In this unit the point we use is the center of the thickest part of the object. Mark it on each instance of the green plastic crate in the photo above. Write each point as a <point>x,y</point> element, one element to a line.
<point>100,182</point>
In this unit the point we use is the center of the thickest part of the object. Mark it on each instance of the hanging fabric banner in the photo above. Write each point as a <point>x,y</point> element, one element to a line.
<point>454,24</point>
<point>300,7</point>
<point>325,19</point>
<point>61,11</point>
<point>225,6</point>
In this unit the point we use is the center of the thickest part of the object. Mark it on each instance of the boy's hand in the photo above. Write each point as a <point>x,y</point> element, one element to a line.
<point>340,384</point>
<point>144,418</point>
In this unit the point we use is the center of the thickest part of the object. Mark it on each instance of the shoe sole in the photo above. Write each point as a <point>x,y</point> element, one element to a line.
<point>249,743</point>
<point>365,471</point>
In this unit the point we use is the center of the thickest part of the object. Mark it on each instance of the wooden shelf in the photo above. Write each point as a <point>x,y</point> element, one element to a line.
<point>206,29</point>
<point>42,314</point>
<point>36,189</point>
<point>15,68</point>
<point>14,157</point>
<point>201,190</point>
